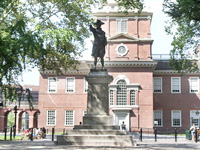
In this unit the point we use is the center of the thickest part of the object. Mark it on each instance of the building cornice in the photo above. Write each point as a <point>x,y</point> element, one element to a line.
<point>70,72</point>
<point>116,14</point>
<point>111,63</point>
<point>130,41</point>
<point>125,37</point>
<point>121,107</point>
<point>172,72</point>
<point>123,63</point>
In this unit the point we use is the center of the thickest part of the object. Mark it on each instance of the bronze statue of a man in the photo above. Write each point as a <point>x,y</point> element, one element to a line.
<point>99,44</point>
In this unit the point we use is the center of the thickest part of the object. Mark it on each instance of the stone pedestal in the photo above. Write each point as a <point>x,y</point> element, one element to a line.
<point>97,128</point>
<point>97,102</point>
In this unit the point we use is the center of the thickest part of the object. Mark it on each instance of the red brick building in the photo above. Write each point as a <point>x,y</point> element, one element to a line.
<point>25,117</point>
<point>145,93</point>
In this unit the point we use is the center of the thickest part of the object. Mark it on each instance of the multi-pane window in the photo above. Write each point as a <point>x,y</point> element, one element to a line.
<point>176,118</point>
<point>84,112</point>
<point>194,84</point>
<point>51,117</point>
<point>69,117</point>
<point>121,93</point>
<point>132,97</point>
<point>70,84</point>
<point>176,85</point>
<point>194,117</point>
<point>157,85</point>
<point>158,116</point>
<point>111,97</point>
<point>52,84</point>
<point>85,86</point>
<point>122,26</point>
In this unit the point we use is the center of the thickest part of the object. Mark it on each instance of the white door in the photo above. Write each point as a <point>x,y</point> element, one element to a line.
<point>121,117</point>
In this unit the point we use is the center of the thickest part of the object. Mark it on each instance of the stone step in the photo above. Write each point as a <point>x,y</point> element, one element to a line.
<point>101,127</point>
<point>96,140</point>
<point>95,132</point>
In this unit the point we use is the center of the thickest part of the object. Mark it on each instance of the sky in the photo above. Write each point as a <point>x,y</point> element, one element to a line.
<point>161,44</point>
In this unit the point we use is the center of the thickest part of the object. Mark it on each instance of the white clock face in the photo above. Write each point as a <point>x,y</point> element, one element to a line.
<point>122,49</point>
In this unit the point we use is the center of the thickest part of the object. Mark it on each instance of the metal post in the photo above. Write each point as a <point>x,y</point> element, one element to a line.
<point>196,135</point>
<point>5,130</point>
<point>36,120</point>
<point>11,133</point>
<point>175,135</point>
<point>52,134</point>
<point>63,130</point>
<point>14,127</point>
<point>140,134</point>
<point>155,132</point>
<point>31,134</point>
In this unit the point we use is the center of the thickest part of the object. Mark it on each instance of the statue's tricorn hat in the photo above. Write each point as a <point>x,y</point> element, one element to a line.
<point>98,22</point>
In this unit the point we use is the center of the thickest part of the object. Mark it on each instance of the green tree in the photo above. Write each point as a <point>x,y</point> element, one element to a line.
<point>11,120</point>
<point>48,34</point>
<point>185,18</point>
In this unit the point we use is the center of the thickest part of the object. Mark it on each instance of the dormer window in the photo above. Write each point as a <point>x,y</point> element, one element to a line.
<point>122,26</point>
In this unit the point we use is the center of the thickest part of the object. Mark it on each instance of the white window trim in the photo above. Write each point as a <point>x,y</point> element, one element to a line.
<point>195,117</point>
<point>121,101</point>
<point>161,118</point>
<point>84,88</point>
<point>122,19</point>
<point>161,84</point>
<point>65,119</point>
<point>84,112</point>
<point>47,118</point>
<point>73,85</point>
<point>112,95</point>
<point>130,96</point>
<point>121,77</point>
<point>179,85</point>
<point>172,118</point>
<point>48,85</point>
<point>126,48</point>
<point>197,84</point>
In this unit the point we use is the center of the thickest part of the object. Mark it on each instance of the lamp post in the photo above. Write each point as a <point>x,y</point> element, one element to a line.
<point>37,113</point>
<point>15,111</point>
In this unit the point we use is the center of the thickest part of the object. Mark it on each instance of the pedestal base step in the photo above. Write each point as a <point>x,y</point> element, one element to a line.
<point>96,140</point>
<point>101,127</point>
<point>95,132</point>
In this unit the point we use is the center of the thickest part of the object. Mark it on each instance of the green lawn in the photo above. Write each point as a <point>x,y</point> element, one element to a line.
<point>8,138</point>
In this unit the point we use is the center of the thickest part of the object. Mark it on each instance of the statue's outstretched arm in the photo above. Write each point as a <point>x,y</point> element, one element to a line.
<point>91,28</point>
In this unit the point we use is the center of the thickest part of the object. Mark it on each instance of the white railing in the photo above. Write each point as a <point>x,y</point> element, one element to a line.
<point>160,56</point>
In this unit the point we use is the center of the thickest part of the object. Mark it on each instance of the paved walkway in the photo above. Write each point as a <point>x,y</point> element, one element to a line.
<point>148,143</point>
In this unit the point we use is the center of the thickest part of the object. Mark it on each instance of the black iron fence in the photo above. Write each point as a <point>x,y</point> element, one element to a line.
<point>142,134</point>
<point>164,134</point>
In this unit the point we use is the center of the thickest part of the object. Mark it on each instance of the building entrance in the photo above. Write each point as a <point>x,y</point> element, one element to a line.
<point>120,117</point>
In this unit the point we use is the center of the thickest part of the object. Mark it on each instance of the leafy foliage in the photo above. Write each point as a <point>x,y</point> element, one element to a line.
<point>48,34</point>
<point>185,17</point>
<point>125,5</point>
<point>11,120</point>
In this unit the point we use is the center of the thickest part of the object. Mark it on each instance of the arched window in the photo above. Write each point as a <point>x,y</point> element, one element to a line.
<point>121,92</point>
